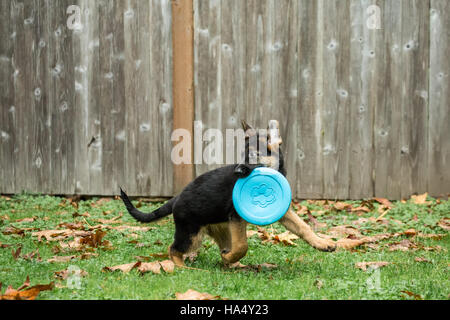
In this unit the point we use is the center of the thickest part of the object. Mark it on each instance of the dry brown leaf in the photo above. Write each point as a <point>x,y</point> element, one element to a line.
<point>444,223</point>
<point>413,295</point>
<point>342,206</point>
<point>420,259</point>
<point>251,233</point>
<point>28,294</point>
<point>403,245</point>
<point>344,231</point>
<point>168,266</point>
<point>27,219</point>
<point>94,240</point>
<point>57,235</point>
<point>132,228</point>
<point>385,202</point>
<point>16,253</point>
<point>257,267</point>
<point>371,265</point>
<point>153,267</point>
<point>285,238</point>
<point>87,255</point>
<point>61,259</point>
<point>195,295</point>
<point>72,225</point>
<point>433,236</point>
<point>420,199</point>
<point>123,267</point>
<point>12,230</point>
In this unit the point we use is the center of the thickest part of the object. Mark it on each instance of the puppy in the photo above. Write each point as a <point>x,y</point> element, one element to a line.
<point>205,206</point>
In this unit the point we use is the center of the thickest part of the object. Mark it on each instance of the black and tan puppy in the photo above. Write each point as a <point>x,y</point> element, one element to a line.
<point>206,205</point>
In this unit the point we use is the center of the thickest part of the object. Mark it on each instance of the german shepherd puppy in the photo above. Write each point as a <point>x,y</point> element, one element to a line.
<point>206,205</point>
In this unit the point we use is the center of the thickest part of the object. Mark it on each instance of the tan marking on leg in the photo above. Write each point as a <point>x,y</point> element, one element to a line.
<point>176,257</point>
<point>220,233</point>
<point>239,245</point>
<point>296,225</point>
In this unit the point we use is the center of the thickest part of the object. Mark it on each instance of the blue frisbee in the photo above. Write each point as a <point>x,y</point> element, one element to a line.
<point>263,197</point>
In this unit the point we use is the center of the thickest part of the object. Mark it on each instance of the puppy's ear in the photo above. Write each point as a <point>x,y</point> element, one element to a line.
<point>245,125</point>
<point>275,140</point>
<point>249,131</point>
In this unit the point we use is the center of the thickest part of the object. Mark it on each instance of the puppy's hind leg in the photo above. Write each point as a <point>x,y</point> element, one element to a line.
<point>187,239</point>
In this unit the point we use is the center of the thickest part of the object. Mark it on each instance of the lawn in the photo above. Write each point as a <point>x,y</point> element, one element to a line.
<point>97,234</point>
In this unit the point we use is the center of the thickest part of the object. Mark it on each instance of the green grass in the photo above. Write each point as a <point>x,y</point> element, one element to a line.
<point>301,272</point>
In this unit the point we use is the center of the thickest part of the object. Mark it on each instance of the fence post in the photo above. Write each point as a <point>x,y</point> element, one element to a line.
<point>183,80</point>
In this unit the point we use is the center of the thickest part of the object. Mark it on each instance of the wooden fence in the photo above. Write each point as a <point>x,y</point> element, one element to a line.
<point>361,90</point>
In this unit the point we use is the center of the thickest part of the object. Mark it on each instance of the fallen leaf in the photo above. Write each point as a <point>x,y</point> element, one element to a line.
<point>371,265</point>
<point>28,294</point>
<point>343,231</point>
<point>94,239</point>
<point>27,219</point>
<point>444,223</point>
<point>403,245</point>
<point>87,255</point>
<point>153,267</point>
<point>285,238</point>
<point>420,199</point>
<point>61,259</point>
<point>167,265</point>
<point>342,206</point>
<point>13,230</point>
<point>413,295</point>
<point>420,259</point>
<point>195,295</point>
<point>16,253</point>
<point>123,267</point>
<point>384,202</point>
<point>57,235</point>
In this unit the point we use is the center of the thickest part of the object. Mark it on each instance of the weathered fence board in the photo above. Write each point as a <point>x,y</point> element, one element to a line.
<point>363,106</point>
<point>439,99</point>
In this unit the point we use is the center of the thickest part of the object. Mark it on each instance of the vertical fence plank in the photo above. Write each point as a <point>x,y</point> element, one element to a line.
<point>439,102</point>
<point>308,114</point>
<point>415,66</point>
<point>387,114</point>
<point>366,66</point>
<point>290,70</point>
<point>183,80</point>
<point>254,61</point>
<point>336,61</point>
<point>7,108</point>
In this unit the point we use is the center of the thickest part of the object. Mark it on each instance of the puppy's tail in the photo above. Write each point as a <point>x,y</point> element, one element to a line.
<point>159,213</point>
